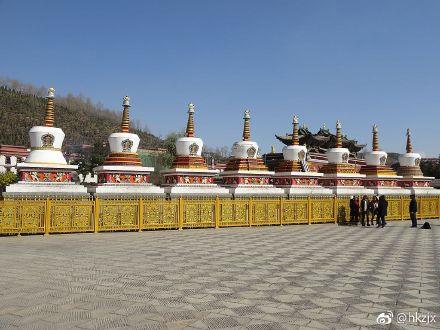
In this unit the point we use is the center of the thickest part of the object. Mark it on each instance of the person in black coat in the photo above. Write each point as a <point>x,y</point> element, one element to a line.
<point>413,211</point>
<point>382,211</point>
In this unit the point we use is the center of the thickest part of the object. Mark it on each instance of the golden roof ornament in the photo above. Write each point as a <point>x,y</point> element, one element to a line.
<point>49,116</point>
<point>295,135</point>
<point>190,123</point>
<point>247,126</point>
<point>338,134</point>
<point>409,147</point>
<point>125,125</point>
<point>375,138</point>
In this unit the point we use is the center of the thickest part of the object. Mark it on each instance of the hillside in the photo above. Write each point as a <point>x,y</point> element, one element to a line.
<point>20,111</point>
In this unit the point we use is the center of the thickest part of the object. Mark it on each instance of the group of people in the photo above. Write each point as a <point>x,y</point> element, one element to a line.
<point>376,208</point>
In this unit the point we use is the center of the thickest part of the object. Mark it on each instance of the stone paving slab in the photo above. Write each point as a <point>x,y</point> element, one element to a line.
<point>291,277</point>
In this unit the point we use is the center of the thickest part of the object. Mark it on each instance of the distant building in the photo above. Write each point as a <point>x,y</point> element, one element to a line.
<point>11,155</point>
<point>74,152</point>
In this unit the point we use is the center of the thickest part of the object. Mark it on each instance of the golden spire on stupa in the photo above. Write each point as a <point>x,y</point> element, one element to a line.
<point>338,134</point>
<point>247,126</point>
<point>190,123</point>
<point>295,135</point>
<point>409,147</point>
<point>375,138</point>
<point>125,125</point>
<point>49,117</point>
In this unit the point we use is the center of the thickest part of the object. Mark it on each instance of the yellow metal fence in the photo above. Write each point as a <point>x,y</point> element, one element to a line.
<point>100,215</point>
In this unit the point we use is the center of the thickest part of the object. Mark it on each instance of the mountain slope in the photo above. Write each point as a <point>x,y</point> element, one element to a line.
<point>20,111</point>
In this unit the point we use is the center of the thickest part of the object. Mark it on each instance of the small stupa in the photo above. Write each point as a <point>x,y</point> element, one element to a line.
<point>409,168</point>
<point>294,174</point>
<point>245,173</point>
<point>380,178</point>
<point>45,172</point>
<point>122,174</point>
<point>189,174</point>
<point>339,175</point>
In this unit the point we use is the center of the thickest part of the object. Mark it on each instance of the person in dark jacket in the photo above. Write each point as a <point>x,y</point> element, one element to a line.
<point>382,211</point>
<point>354,210</point>
<point>413,211</point>
<point>364,211</point>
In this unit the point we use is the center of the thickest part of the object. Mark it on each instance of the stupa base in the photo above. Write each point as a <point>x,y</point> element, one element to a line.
<point>188,176</point>
<point>384,185</point>
<point>119,181</point>
<point>307,191</point>
<point>245,190</point>
<point>126,190</point>
<point>192,190</point>
<point>300,183</point>
<point>345,184</point>
<point>40,190</point>
<point>429,191</point>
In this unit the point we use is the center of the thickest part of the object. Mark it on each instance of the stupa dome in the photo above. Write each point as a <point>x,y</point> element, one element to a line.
<point>46,141</point>
<point>189,145</point>
<point>338,155</point>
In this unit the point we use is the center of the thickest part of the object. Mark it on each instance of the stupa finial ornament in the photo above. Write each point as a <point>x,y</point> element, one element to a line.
<point>295,136</point>
<point>409,147</point>
<point>190,124</point>
<point>375,138</point>
<point>50,116</point>
<point>247,126</point>
<point>338,134</point>
<point>125,125</point>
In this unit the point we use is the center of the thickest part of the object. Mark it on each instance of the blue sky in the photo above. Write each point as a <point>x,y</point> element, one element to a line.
<point>362,62</point>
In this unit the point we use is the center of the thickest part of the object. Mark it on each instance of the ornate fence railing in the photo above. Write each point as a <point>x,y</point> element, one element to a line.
<point>99,215</point>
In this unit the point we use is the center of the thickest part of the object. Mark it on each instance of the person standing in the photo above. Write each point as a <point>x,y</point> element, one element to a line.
<point>371,211</point>
<point>364,211</point>
<point>413,211</point>
<point>352,209</point>
<point>382,211</point>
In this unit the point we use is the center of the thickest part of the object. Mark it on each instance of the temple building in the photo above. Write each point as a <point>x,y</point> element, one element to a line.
<point>294,173</point>
<point>45,172</point>
<point>122,174</point>
<point>189,174</point>
<point>245,173</point>
<point>380,178</point>
<point>339,175</point>
<point>409,169</point>
<point>321,141</point>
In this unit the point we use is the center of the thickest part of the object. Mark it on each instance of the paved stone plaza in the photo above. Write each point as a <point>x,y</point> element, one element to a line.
<point>291,277</point>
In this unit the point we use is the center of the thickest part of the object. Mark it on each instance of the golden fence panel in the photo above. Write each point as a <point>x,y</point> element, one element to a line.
<point>428,207</point>
<point>118,215</point>
<point>342,209</point>
<point>394,211</point>
<point>265,212</point>
<point>199,214</point>
<point>234,213</point>
<point>295,211</point>
<point>322,210</point>
<point>22,216</point>
<point>70,216</point>
<point>160,214</point>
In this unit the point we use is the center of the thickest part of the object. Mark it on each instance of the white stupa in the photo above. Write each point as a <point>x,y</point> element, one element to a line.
<point>340,176</point>
<point>245,173</point>
<point>189,175</point>
<point>380,178</point>
<point>122,174</point>
<point>294,174</point>
<point>45,172</point>
<point>409,168</point>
